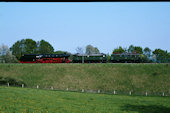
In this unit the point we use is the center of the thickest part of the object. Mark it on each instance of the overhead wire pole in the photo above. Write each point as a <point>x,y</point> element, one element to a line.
<point>83,58</point>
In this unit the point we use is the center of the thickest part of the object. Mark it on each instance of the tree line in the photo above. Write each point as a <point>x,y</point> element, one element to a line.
<point>147,54</point>
<point>29,46</point>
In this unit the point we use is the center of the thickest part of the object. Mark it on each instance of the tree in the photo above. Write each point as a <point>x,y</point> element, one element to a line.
<point>159,52</point>
<point>29,46</point>
<point>161,55</point>
<point>6,55</point>
<point>44,47</point>
<point>119,50</point>
<point>80,50</point>
<point>3,49</point>
<point>108,57</point>
<point>92,50</point>
<point>138,49</point>
<point>131,49</point>
<point>24,46</point>
<point>147,51</point>
<point>96,51</point>
<point>9,58</point>
<point>135,49</point>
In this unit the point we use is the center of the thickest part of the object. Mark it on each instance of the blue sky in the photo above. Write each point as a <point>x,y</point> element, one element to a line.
<point>105,25</point>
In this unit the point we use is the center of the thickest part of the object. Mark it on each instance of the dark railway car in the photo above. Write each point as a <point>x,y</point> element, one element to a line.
<point>126,58</point>
<point>45,58</point>
<point>92,58</point>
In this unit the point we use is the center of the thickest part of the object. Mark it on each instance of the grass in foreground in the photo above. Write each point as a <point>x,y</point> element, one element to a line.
<point>27,100</point>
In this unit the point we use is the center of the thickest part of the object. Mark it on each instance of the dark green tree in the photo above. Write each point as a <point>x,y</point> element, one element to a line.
<point>147,51</point>
<point>131,49</point>
<point>17,49</point>
<point>24,46</point>
<point>108,57</point>
<point>135,49</point>
<point>44,47</point>
<point>62,52</point>
<point>30,46</point>
<point>138,49</point>
<point>119,50</point>
<point>161,55</point>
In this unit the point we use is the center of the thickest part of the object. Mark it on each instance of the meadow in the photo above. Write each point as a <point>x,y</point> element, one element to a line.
<point>28,100</point>
<point>138,78</point>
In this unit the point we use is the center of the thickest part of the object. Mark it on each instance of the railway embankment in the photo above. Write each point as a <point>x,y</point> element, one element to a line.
<point>151,78</point>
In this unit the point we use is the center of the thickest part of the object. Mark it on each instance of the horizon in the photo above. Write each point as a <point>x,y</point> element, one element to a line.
<point>105,25</point>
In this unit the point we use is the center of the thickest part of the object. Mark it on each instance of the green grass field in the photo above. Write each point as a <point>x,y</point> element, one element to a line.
<point>27,100</point>
<point>153,78</point>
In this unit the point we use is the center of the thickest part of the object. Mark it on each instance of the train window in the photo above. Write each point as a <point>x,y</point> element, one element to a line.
<point>37,56</point>
<point>56,55</point>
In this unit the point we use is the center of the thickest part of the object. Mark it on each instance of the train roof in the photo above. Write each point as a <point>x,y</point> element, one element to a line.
<point>100,54</point>
<point>125,53</point>
<point>59,55</point>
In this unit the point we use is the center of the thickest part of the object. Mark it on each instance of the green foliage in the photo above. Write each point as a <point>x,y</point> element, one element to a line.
<point>26,100</point>
<point>16,49</point>
<point>45,47</point>
<point>92,50</point>
<point>160,52</point>
<point>11,81</point>
<point>161,55</point>
<point>147,51</point>
<point>138,49</point>
<point>61,52</point>
<point>135,49</point>
<point>9,58</point>
<point>29,46</point>
<point>119,50</point>
<point>24,46</point>
<point>108,57</point>
<point>64,52</point>
<point>131,49</point>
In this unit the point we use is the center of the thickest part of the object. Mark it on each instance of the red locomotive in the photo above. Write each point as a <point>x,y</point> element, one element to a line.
<point>45,58</point>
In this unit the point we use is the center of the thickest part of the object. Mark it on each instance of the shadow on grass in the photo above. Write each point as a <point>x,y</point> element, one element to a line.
<point>146,109</point>
<point>11,81</point>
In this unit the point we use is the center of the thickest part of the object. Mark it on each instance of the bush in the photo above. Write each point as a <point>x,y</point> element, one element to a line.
<point>11,81</point>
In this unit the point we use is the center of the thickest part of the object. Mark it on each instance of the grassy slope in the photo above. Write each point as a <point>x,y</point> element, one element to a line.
<point>27,100</point>
<point>108,77</point>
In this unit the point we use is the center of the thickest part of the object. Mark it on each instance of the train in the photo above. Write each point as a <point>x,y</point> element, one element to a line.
<point>45,58</point>
<point>81,58</point>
